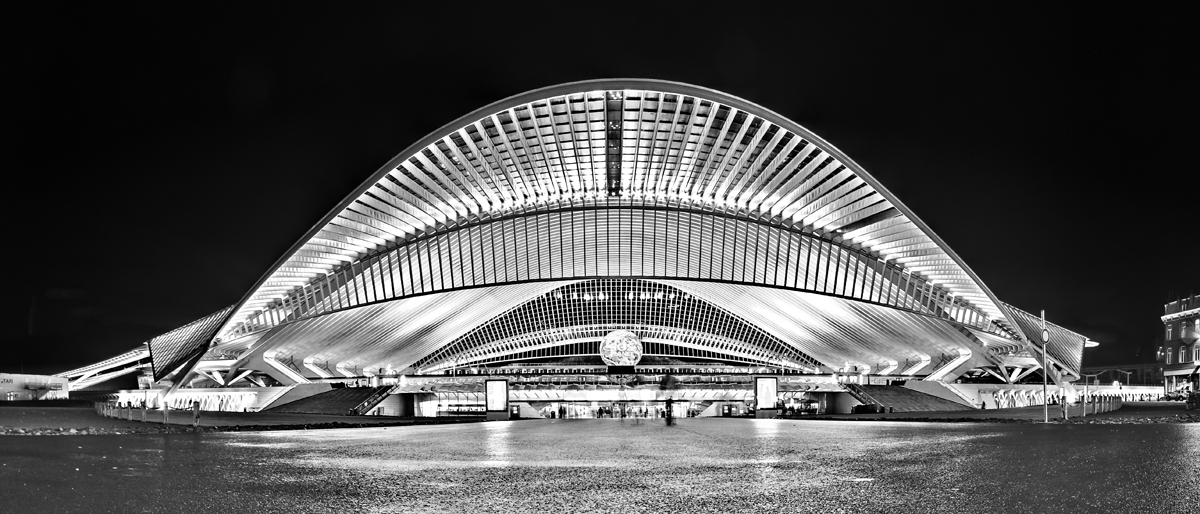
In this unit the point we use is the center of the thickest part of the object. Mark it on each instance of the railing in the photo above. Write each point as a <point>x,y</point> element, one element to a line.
<point>373,400</point>
<point>140,412</point>
<point>860,395</point>
<point>1099,403</point>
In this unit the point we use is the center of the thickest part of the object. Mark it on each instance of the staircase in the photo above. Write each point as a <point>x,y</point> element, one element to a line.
<point>901,399</point>
<point>860,394</point>
<point>338,402</point>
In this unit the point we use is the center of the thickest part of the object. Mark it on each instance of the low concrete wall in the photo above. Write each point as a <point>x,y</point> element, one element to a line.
<point>841,403</point>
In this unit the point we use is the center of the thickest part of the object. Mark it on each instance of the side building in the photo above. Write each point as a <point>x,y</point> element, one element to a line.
<point>20,387</point>
<point>1179,354</point>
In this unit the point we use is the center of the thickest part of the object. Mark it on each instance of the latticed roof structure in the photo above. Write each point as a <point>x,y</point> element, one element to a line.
<point>532,226</point>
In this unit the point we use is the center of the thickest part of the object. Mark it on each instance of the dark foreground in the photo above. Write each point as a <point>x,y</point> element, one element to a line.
<point>713,465</point>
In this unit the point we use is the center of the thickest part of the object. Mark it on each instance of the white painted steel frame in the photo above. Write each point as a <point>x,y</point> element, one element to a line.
<point>682,147</point>
<point>572,319</point>
<point>627,178</point>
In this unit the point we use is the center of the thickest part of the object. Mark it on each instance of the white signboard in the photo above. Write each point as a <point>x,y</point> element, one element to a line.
<point>765,389</point>
<point>497,395</point>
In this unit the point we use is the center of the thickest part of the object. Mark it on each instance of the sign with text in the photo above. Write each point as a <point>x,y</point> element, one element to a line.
<point>496,395</point>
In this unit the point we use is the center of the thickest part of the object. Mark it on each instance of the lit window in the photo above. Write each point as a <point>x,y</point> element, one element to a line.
<point>1196,352</point>
<point>1168,356</point>
<point>1182,354</point>
<point>1168,332</point>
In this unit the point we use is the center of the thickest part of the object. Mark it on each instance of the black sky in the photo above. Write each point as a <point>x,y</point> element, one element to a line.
<point>162,160</point>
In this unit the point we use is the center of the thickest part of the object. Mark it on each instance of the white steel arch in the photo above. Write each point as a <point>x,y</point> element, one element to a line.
<point>676,147</point>
<point>618,178</point>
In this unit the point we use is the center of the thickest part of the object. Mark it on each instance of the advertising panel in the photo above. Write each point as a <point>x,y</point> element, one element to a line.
<point>496,393</point>
<point>765,391</point>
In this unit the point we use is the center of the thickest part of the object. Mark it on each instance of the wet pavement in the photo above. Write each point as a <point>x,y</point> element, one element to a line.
<point>72,419</point>
<point>714,465</point>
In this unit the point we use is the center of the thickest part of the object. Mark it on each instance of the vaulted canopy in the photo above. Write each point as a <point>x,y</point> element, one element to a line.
<point>679,185</point>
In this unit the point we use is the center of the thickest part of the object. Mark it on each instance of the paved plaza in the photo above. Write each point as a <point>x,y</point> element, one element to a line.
<point>700,465</point>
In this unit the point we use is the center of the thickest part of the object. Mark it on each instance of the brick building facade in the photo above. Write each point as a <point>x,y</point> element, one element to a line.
<point>1180,354</point>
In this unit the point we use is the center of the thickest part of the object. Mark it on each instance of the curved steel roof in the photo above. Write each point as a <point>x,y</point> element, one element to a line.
<point>622,178</point>
<point>680,145</point>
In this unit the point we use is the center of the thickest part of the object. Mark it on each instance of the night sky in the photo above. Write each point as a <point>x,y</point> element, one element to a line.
<point>165,159</point>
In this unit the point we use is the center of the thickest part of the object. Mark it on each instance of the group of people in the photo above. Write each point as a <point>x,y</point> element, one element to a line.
<point>654,411</point>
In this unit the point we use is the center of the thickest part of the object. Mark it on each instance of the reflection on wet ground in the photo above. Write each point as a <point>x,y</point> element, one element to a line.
<point>717,465</point>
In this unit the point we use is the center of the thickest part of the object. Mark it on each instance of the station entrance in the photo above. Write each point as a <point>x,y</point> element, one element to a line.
<point>652,409</point>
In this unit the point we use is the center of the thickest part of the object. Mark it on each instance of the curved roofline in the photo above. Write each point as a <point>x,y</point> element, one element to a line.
<point>608,84</point>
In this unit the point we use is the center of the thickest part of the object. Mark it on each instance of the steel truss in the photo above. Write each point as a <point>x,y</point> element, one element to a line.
<point>632,144</point>
<point>620,238</point>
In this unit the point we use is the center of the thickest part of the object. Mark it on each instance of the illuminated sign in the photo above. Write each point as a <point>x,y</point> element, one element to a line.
<point>497,395</point>
<point>463,408</point>
<point>765,389</point>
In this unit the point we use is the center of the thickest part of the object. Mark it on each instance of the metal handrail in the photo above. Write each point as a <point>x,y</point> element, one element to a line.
<point>859,394</point>
<point>373,400</point>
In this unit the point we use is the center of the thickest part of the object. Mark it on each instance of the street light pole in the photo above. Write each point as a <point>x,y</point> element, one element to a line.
<point>1045,394</point>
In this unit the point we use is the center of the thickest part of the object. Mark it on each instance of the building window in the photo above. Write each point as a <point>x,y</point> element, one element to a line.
<point>1168,356</point>
<point>1182,355</point>
<point>1168,332</point>
<point>1196,352</point>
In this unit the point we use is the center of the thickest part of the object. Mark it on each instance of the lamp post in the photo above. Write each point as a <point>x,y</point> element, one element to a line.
<point>1045,394</point>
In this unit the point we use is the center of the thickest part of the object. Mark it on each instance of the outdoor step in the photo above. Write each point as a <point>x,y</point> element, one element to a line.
<point>335,402</point>
<point>901,399</point>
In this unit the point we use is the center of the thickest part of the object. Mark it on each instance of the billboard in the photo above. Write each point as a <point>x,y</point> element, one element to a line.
<point>496,395</point>
<point>765,391</point>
